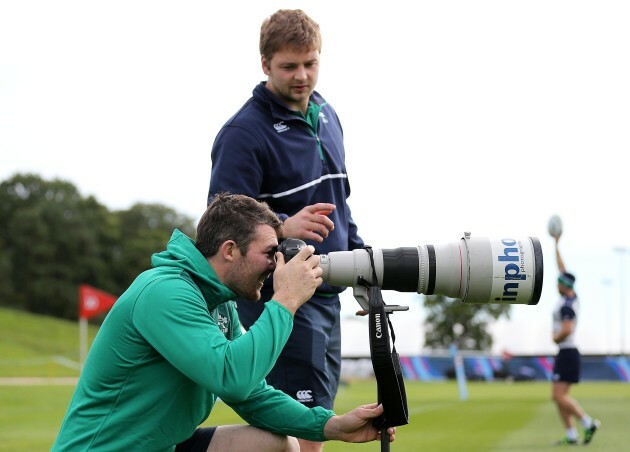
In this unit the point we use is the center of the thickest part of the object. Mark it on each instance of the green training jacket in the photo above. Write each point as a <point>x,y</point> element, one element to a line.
<point>170,346</point>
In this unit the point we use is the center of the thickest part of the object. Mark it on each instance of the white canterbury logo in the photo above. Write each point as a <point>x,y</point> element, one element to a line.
<point>304,396</point>
<point>281,127</point>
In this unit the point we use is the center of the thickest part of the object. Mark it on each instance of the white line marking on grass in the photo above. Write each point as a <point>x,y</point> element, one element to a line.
<point>66,362</point>
<point>431,407</point>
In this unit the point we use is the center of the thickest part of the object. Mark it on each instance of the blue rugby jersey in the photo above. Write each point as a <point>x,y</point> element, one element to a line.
<point>566,309</point>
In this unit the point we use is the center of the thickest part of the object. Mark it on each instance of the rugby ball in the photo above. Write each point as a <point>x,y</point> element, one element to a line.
<point>555,226</point>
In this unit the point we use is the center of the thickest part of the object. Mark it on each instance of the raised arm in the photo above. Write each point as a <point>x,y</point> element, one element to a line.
<point>561,266</point>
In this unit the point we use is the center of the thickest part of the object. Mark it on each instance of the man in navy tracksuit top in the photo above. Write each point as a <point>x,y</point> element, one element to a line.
<point>285,147</point>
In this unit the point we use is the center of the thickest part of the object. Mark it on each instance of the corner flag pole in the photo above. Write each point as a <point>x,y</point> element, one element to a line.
<point>82,341</point>
<point>458,361</point>
<point>92,301</point>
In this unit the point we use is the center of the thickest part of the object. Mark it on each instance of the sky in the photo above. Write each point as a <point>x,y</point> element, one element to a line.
<point>479,116</point>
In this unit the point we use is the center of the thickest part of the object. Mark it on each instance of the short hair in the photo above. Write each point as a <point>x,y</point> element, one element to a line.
<point>567,279</point>
<point>233,217</point>
<point>289,28</point>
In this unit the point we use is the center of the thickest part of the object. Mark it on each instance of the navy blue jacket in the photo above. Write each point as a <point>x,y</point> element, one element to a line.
<point>272,154</point>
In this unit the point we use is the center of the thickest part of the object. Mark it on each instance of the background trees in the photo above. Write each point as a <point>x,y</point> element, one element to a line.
<point>52,239</point>
<point>450,321</point>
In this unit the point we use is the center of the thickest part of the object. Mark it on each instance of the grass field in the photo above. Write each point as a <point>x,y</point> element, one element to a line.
<point>496,417</point>
<point>38,346</point>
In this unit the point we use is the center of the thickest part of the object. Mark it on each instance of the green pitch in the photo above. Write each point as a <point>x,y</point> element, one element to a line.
<point>496,417</point>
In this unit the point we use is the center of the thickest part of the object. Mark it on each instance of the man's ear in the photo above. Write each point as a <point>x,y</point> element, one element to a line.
<point>265,65</point>
<point>229,251</point>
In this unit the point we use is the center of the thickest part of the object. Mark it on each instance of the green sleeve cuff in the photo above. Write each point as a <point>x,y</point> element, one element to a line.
<point>282,307</point>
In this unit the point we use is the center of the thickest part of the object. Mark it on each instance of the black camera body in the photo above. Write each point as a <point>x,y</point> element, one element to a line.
<point>290,247</point>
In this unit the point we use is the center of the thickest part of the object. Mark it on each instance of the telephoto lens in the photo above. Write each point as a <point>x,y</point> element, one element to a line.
<point>473,269</point>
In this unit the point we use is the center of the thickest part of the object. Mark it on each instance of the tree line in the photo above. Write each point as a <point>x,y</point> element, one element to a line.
<point>465,325</point>
<point>53,239</point>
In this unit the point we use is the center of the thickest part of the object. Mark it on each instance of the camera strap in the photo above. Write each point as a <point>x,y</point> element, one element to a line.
<point>385,359</point>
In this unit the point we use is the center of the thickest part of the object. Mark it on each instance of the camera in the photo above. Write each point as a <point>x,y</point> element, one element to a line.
<point>472,269</point>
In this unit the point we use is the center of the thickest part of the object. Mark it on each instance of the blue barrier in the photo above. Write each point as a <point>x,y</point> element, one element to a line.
<point>518,368</point>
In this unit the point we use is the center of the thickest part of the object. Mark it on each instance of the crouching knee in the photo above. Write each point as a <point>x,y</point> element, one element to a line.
<point>292,444</point>
<point>281,443</point>
<point>247,437</point>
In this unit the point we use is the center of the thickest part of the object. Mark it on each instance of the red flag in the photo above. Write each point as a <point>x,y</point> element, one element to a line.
<point>93,301</point>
